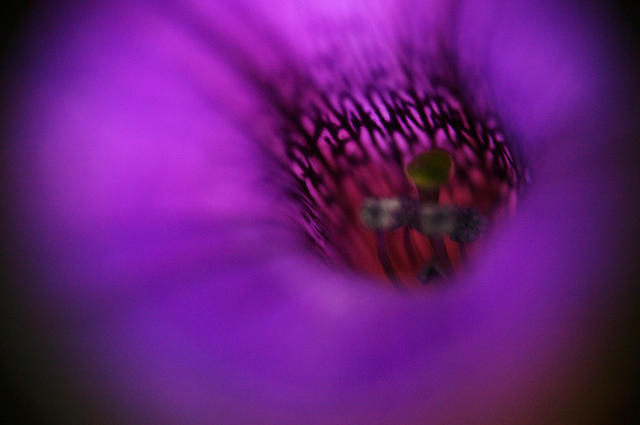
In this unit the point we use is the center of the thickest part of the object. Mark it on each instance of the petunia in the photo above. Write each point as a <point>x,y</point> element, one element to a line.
<point>182,276</point>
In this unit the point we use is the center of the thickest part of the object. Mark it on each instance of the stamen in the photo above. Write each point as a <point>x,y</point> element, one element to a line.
<point>428,171</point>
<point>469,225</point>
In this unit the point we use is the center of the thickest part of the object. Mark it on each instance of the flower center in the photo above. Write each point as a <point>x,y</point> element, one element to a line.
<point>364,160</point>
<point>429,171</point>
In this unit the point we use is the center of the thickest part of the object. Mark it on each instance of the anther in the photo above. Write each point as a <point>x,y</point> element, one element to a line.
<point>383,214</point>
<point>388,213</point>
<point>461,224</point>
<point>469,224</point>
<point>436,220</point>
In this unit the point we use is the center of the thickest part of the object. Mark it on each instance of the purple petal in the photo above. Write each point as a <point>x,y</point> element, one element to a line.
<point>179,286</point>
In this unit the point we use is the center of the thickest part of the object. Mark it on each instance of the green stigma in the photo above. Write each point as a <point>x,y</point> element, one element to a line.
<point>430,170</point>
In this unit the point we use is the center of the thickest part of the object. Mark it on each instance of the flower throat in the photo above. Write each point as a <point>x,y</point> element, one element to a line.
<point>361,160</point>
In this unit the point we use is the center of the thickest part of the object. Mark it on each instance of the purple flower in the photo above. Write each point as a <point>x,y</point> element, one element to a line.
<point>160,212</point>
